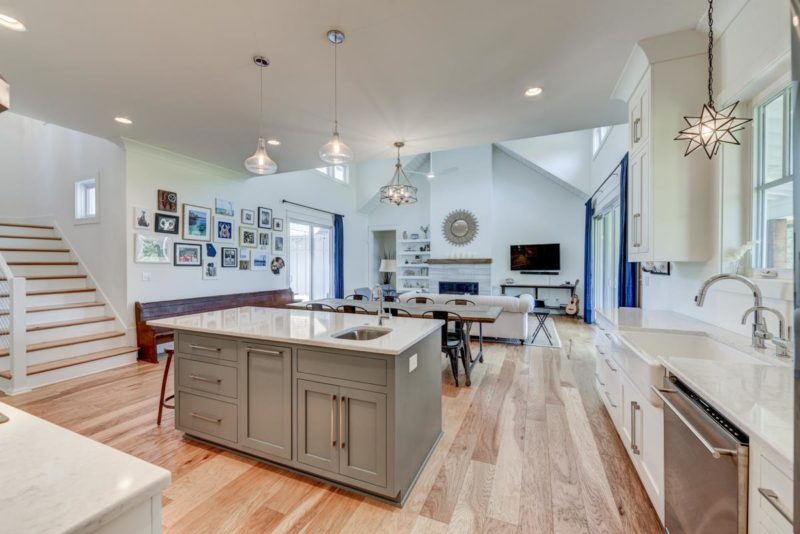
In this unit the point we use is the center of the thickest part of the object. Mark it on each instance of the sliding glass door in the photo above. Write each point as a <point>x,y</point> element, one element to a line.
<point>605,234</point>
<point>310,260</point>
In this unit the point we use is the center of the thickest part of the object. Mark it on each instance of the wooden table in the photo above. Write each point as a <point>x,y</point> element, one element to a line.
<point>470,314</point>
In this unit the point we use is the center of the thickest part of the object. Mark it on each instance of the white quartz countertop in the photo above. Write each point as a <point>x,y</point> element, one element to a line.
<point>757,397</point>
<point>304,327</point>
<point>53,480</point>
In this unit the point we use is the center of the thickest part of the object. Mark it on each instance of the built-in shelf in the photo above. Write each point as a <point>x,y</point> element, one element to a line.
<point>408,241</point>
<point>460,261</point>
<point>412,253</point>
<point>413,277</point>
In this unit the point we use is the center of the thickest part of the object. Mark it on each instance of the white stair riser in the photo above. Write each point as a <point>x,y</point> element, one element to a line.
<point>15,255</point>
<point>83,369</point>
<point>61,283</point>
<point>11,242</point>
<point>70,331</point>
<point>60,353</point>
<point>28,270</point>
<point>65,315</point>
<point>33,301</point>
<point>37,232</point>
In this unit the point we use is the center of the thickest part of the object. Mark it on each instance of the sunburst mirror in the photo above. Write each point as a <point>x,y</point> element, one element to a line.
<point>460,227</point>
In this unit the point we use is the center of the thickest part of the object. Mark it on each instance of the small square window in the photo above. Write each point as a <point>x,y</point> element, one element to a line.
<point>86,200</point>
<point>338,173</point>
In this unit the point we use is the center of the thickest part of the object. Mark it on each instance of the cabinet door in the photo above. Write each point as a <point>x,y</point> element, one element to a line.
<point>639,207</point>
<point>650,440</point>
<point>265,416</point>
<point>363,436</point>
<point>639,113</point>
<point>317,425</point>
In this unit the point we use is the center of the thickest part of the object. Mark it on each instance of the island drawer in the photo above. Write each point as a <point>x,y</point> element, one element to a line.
<point>208,377</point>
<point>209,416</point>
<point>352,368</point>
<point>210,347</point>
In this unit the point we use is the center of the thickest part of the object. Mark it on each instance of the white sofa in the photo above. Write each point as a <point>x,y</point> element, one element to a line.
<point>512,323</point>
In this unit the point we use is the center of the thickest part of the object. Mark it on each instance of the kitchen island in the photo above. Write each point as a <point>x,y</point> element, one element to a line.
<point>331,395</point>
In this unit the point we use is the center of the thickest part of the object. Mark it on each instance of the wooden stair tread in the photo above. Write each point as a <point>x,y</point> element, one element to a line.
<point>44,238</point>
<point>70,306</point>
<point>24,249</point>
<point>64,324</point>
<point>40,292</point>
<point>19,263</point>
<point>57,343</point>
<point>69,362</point>
<point>52,277</point>
<point>20,225</point>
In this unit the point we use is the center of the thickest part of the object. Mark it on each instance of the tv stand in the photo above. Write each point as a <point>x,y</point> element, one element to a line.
<point>550,273</point>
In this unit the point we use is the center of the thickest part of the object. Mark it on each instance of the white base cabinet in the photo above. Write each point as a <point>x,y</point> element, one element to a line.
<point>770,493</point>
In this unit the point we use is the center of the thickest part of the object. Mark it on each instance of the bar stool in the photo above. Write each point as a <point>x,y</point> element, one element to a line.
<point>162,401</point>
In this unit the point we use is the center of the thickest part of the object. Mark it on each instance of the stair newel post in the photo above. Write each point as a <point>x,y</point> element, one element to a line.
<point>18,334</point>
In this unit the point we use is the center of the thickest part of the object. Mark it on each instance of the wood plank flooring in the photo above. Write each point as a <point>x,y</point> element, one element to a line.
<point>529,448</point>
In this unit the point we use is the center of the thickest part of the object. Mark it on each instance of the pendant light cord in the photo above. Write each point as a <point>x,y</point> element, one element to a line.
<point>261,102</point>
<point>335,88</point>
<point>711,53</point>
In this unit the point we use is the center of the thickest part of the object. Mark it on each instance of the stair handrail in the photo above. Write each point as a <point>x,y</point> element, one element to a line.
<point>17,328</point>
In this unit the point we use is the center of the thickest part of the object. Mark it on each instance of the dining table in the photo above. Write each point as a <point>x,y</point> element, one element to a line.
<point>469,314</point>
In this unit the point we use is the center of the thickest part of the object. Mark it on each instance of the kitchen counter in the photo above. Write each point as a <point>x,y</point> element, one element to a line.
<point>757,396</point>
<point>54,480</point>
<point>305,327</point>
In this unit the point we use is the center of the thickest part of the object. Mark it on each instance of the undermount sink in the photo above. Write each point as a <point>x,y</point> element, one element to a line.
<point>692,346</point>
<point>362,333</point>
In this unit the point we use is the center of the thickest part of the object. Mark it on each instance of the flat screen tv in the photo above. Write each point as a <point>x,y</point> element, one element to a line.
<point>539,258</point>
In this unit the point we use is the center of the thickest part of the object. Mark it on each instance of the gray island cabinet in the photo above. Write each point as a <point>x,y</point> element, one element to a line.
<point>361,414</point>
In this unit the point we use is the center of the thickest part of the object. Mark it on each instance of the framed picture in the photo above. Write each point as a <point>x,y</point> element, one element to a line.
<point>277,244</point>
<point>656,267</point>
<point>167,224</point>
<point>167,201</point>
<point>211,263</point>
<point>259,261</point>
<point>187,255</point>
<point>196,223</point>
<point>265,218</point>
<point>249,217</point>
<point>230,258</point>
<point>223,207</point>
<point>247,237</point>
<point>223,230</point>
<point>151,249</point>
<point>263,239</point>
<point>277,224</point>
<point>244,259</point>
<point>277,264</point>
<point>142,219</point>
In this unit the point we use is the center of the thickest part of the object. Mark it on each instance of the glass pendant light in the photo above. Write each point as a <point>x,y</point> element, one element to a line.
<point>335,151</point>
<point>712,127</point>
<point>399,190</point>
<point>260,162</point>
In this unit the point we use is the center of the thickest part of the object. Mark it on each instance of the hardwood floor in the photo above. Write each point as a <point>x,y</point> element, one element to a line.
<point>528,448</point>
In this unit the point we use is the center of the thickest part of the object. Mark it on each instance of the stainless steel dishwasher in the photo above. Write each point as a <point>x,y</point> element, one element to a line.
<point>705,465</point>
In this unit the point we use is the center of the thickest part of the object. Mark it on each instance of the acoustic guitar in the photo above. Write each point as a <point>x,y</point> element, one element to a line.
<point>574,303</point>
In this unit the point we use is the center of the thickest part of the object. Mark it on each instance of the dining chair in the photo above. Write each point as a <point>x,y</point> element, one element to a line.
<point>460,302</point>
<point>356,296</point>
<point>421,300</point>
<point>389,298</point>
<point>352,308</point>
<point>163,402</point>
<point>453,343</point>
<point>399,312</point>
<point>318,306</point>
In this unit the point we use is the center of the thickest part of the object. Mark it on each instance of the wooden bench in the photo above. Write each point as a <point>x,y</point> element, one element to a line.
<point>148,337</point>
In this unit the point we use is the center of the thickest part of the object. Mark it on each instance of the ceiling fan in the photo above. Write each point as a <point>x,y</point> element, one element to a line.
<point>430,174</point>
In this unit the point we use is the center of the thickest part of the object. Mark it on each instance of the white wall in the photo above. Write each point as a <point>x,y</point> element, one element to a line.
<point>199,183</point>
<point>610,155</point>
<point>40,164</point>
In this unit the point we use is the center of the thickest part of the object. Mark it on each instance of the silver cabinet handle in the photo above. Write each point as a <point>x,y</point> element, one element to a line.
<point>636,129</point>
<point>634,445</point>
<point>600,381</point>
<point>637,229</point>
<point>202,347</point>
<point>263,351</point>
<point>776,503</point>
<point>609,400</point>
<point>599,349</point>
<point>206,418</point>
<point>333,420</point>
<point>201,378</point>
<point>608,363</point>
<point>716,452</point>
<point>342,415</point>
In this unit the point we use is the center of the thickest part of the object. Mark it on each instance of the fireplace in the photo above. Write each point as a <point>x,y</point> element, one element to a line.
<point>458,288</point>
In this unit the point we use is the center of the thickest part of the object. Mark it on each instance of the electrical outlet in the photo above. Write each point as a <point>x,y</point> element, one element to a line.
<point>412,363</point>
<point>145,277</point>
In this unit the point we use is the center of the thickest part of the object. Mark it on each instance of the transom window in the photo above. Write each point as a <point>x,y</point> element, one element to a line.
<point>86,200</point>
<point>598,138</point>
<point>339,173</point>
<point>774,216</point>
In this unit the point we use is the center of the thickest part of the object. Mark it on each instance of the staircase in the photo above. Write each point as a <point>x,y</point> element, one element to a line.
<point>54,324</point>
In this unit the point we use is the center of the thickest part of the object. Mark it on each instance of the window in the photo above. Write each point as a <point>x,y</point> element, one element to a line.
<point>598,138</point>
<point>86,200</point>
<point>774,218</point>
<point>340,173</point>
<point>310,260</point>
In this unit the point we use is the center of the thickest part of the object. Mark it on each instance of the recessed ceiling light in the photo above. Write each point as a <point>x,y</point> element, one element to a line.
<point>11,23</point>
<point>123,120</point>
<point>274,142</point>
<point>533,91</point>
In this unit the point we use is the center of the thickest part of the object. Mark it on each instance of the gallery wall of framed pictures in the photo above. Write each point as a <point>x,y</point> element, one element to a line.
<point>214,239</point>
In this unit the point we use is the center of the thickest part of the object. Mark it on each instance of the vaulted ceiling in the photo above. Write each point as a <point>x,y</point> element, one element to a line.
<point>438,74</point>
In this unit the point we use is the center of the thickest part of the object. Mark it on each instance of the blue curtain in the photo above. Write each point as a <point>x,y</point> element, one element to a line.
<point>338,256</point>
<point>626,286</point>
<point>588,304</point>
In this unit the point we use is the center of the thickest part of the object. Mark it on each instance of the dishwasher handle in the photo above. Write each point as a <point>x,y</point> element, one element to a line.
<point>716,452</point>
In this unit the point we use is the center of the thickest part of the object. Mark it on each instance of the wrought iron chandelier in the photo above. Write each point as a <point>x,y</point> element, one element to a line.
<point>399,190</point>
<point>712,127</point>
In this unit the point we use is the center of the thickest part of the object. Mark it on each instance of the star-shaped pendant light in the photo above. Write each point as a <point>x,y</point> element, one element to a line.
<point>712,127</point>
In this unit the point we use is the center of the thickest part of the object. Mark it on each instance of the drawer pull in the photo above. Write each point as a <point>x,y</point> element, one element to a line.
<point>342,415</point>
<point>600,381</point>
<point>610,401</point>
<point>263,351</point>
<point>333,420</point>
<point>608,363</point>
<point>203,347</point>
<point>214,420</point>
<point>201,378</point>
<point>776,503</point>
<point>634,445</point>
